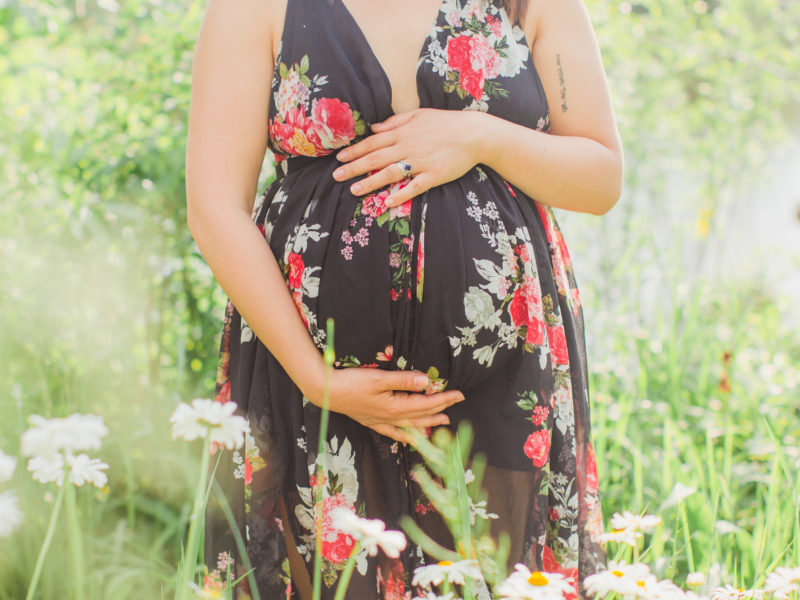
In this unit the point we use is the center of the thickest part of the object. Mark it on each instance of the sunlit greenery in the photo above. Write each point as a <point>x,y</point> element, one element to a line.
<point>108,307</point>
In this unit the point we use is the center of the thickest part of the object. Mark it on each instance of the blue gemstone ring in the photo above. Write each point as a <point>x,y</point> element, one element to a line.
<point>405,167</point>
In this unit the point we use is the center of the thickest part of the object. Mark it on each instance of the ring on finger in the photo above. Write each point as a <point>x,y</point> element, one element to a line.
<point>405,167</point>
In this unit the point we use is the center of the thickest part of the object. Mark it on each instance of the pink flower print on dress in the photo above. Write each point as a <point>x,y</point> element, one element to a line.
<point>336,546</point>
<point>537,447</point>
<point>525,309</point>
<point>475,60</point>
<point>296,269</point>
<point>558,344</point>
<point>333,122</point>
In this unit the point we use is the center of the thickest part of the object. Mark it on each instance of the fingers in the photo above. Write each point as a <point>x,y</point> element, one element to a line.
<point>425,422</point>
<point>410,381</point>
<point>412,406</point>
<point>373,161</point>
<point>392,122</point>
<point>415,187</point>
<point>395,433</point>
<point>389,174</point>
<point>365,146</point>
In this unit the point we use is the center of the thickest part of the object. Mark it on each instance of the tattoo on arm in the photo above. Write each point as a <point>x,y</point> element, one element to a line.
<point>563,85</point>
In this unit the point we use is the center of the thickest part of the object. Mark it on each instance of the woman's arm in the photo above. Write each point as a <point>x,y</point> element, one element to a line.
<point>227,139</point>
<point>576,166</point>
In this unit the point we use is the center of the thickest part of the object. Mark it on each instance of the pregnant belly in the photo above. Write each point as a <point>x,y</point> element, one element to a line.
<point>452,283</point>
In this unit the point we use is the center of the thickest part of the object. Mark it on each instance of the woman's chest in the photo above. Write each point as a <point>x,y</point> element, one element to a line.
<point>335,75</point>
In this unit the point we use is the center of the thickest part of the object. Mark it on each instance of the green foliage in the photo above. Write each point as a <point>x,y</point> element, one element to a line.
<point>109,308</point>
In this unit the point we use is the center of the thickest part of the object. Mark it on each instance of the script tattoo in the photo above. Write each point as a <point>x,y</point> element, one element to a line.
<point>563,85</point>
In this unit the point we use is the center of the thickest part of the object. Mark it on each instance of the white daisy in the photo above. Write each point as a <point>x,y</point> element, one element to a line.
<point>620,578</point>
<point>371,532</point>
<point>728,592</point>
<point>210,418</point>
<point>72,433</point>
<point>620,536</point>
<point>632,522</point>
<point>10,514</point>
<point>7,464</point>
<point>695,579</point>
<point>782,582</point>
<point>523,584</point>
<point>455,572</point>
<point>82,469</point>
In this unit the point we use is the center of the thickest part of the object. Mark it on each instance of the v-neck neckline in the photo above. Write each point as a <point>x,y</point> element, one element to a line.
<point>374,57</point>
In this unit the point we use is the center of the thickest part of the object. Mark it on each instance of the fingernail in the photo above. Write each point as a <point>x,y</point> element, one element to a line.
<point>355,188</point>
<point>389,200</point>
<point>342,156</point>
<point>338,173</point>
<point>461,397</point>
<point>421,381</point>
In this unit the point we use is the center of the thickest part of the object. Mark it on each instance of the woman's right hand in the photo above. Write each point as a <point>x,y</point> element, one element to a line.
<point>385,401</point>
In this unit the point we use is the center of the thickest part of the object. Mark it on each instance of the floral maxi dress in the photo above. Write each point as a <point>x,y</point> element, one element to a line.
<point>470,282</point>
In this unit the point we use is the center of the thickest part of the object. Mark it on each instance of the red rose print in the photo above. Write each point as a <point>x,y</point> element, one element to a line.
<point>495,25</point>
<point>475,60</point>
<point>526,311</point>
<point>224,394</point>
<point>248,471</point>
<point>591,469</point>
<point>374,205</point>
<point>537,447</point>
<point>539,414</point>
<point>338,549</point>
<point>550,564</point>
<point>296,268</point>
<point>333,122</point>
<point>297,135</point>
<point>558,344</point>
<point>336,546</point>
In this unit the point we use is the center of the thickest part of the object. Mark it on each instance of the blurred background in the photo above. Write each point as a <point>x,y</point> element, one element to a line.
<point>690,283</point>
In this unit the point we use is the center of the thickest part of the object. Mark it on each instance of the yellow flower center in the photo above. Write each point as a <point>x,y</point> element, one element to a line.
<point>640,583</point>
<point>617,573</point>
<point>445,563</point>
<point>538,578</point>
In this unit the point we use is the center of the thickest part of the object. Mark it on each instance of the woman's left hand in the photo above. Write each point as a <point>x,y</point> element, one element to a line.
<point>440,145</point>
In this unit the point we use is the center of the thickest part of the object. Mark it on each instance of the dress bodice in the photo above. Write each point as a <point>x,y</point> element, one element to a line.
<point>328,85</point>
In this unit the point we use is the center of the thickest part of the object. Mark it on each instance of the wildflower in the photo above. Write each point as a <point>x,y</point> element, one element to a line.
<point>728,592</point>
<point>72,433</point>
<point>678,494</point>
<point>455,572</point>
<point>370,531</point>
<point>633,522</point>
<point>206,592</point>
<point>209,418</point>
<point>695,579</point>
<point>620,536</point>
<point>10,514</point>
<point>782,582</point>
<point>82,469</point>
<point>7,464</point>
<point>621,578</point>
<point>523,584</point>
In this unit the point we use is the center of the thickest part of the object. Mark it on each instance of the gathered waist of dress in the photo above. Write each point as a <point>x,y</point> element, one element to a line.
<point>298,162</point>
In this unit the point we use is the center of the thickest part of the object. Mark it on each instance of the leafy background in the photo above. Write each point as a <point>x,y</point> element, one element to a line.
<point>108,307</point>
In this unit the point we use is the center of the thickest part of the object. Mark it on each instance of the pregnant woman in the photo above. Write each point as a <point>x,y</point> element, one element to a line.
<point>420,148</point>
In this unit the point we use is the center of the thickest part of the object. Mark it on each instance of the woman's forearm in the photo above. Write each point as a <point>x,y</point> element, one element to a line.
<point>569,172</point>
<point>247,271</point>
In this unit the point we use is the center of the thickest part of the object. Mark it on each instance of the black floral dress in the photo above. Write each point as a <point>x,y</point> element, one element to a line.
<point>470,282</point>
